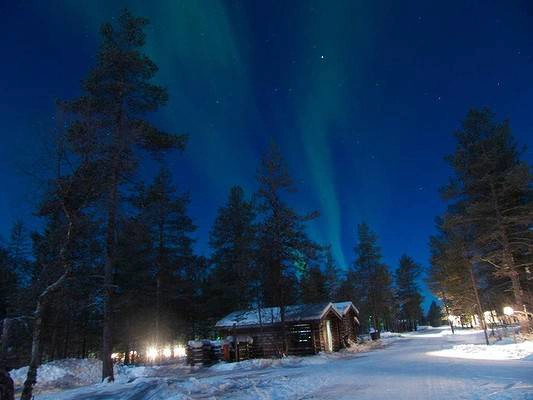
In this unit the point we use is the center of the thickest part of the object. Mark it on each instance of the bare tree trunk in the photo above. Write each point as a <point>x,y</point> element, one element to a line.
<point>523,317</point>
<point>448,316</point>
<point>157,309</point>
<point>67,337</point>
<point>31,378</point>
<point>285,346</point>
<point>35,358</point>
<point>107,337</point>
<point>160,255</point>
<point>481,314</point>
<point>83,353</point>
<point>7,389</point>
<point>509,263</point>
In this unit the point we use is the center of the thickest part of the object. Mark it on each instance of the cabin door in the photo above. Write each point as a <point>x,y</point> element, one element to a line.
<point>329,337</point>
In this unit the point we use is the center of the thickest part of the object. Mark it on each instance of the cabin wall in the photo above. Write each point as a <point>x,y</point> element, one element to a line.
<point>304,338</point>
<point>336,327</point>
<point>349,327</point>
<point>268,342</point>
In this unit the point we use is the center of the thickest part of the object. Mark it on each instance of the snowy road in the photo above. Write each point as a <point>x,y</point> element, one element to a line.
<point>401,370</point>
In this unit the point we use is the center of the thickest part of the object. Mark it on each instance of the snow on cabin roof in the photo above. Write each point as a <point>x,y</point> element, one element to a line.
<point>271,315</point>
<point>342,307</point>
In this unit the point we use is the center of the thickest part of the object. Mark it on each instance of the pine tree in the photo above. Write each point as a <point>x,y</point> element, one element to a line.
<point>313,286</point>
<point>19,251</point>
<point>454,271</point>
<point>232,239</point>
<point>331,275</point>
<point>407,292</point>
<point>164,215</point>
<point>108,127</point>
<point>135,296</point>
<point>448,276</point>
<point>434,316</point>
<point>282,240</point>
<point>8,283</point>
<point>371,280</point>
<point>492,194</point>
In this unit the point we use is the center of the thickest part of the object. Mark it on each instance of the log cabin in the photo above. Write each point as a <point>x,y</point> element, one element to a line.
<point>350,321</point>
<point>310,329</point>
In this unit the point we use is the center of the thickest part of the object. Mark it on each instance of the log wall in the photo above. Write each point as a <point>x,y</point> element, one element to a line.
<point>349,327</point>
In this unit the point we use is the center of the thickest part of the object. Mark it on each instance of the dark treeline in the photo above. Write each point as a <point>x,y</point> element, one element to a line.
<point>481,257</point>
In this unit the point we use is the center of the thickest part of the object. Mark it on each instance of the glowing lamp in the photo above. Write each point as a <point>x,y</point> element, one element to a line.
<point>179,351</point>
<point>151,353</point>
<point>508,311</point>
<point>167,352</point>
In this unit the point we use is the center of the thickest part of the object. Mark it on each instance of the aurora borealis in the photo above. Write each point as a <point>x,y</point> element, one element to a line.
<point>362,99</point>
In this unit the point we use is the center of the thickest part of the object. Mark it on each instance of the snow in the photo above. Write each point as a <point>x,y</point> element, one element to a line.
<point>343,307</point>
<point>63,373</point>
<point>74,372</point>
<point>400,367</point>
<point>271,315</point>
<point>498,351</point>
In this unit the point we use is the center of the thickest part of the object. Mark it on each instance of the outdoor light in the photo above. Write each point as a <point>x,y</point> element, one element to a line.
<point>508,311</point>
<point>151,353</point>
<point>179,351</point>
<point>167,352</point>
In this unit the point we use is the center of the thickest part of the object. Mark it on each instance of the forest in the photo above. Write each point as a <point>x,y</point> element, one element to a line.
<point>114,267</point>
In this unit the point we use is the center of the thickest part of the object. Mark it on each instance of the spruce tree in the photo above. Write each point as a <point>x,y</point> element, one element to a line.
<point>109,125</point>
<point>282,241</point>
<point>8,283</point>
<point>232,239</point>
<point>19,251</point>
<point>371,280</point>
<point>135,296</point>
<point>408,294</point>
<point>454,273</point>
<point>434,315</point>
<point>331,275</point>
<point>163,213</point>
<point>313,286</point>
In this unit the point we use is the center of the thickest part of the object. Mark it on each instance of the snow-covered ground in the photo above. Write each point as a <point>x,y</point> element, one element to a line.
<point>503,350</point>
<point>410,366</point>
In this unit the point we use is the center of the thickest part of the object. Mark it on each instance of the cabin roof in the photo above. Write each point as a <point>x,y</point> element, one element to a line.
<point>343,307</point>
<point>271,315</point>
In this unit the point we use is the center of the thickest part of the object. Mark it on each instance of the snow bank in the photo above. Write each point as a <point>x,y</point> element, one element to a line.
<point>497,351</point>
<point>386,335</point>
<point>75,372</point>
<point>65,373</point>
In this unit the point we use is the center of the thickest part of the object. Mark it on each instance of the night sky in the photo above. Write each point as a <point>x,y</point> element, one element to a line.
<point>362,99</point>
